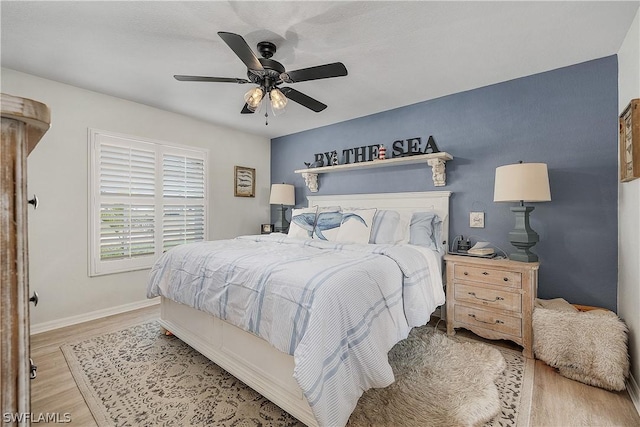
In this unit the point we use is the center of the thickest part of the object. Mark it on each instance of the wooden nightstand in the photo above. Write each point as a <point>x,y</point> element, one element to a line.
<point>492,298</point>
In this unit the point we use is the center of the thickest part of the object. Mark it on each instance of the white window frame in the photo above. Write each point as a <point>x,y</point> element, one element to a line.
<point>96,137</point>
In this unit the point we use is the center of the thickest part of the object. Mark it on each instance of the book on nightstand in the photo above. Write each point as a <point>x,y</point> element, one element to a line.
<point>468,253</point>
<point>481,251</point>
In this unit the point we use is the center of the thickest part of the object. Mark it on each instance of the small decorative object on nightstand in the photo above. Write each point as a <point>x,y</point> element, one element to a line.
<point>266,229</point>
<point>492,298</point>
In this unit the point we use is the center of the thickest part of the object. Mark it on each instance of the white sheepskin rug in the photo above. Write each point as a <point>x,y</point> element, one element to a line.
<point>439,382</point>
<point>590,347</point>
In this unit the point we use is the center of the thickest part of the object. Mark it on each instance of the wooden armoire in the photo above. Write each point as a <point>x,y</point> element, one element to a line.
<point>24,122</point>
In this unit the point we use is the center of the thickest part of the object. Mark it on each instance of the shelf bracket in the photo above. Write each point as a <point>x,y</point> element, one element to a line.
<point>438,173</point>
<point>311,181</point>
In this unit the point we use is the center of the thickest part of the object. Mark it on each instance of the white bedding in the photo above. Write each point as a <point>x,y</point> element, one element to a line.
<point>337,308</point>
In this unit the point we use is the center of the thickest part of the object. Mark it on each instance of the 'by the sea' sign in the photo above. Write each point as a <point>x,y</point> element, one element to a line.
<point>368,153</point>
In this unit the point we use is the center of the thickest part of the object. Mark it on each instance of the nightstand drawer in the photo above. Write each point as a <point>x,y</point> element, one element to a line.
<point>490,298</point>
<point>488,275</point>
<point>488,320</point>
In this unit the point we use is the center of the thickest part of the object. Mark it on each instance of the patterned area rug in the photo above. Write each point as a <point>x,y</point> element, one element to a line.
<point>139,376</point>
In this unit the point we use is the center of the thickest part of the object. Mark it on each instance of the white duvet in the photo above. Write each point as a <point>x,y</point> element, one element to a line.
<point>337,308</point>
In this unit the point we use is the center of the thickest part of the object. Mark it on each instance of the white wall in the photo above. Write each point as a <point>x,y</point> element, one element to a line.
<point>57,173</point>
<point>629,205</point>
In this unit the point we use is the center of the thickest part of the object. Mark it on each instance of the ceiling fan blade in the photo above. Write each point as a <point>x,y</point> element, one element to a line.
<point>302,99</point>
<point>210,79</point>
<point>242,49</point>
<point>337,69</point>
<point>245,110</point>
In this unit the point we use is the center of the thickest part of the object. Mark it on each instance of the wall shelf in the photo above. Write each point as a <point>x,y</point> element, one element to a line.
<point>435,160</point>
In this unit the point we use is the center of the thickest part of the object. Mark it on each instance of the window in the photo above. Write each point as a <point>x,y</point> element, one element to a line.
<point>145,197</point>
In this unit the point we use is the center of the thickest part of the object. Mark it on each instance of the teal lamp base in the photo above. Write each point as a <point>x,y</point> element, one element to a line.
<point>284,224</point>
<point>522,236</point>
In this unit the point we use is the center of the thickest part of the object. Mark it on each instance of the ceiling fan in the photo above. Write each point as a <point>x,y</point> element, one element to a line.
<point>268,74</point>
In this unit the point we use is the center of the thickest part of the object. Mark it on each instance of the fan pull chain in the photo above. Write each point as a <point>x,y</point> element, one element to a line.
<point>266,119</point>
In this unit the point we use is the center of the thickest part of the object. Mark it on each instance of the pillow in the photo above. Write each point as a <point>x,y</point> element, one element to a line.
<point>383,229</point>
<point>356,225</point>
<point>425,230</point>
<point>328,221</point>
<point>302,223</point>
<point>402,234</point>
<point>390,227</point>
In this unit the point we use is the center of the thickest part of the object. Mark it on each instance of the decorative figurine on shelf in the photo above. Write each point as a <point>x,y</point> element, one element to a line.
<point>382,152</point>
<point>315,164</point>
<point>334,159</point>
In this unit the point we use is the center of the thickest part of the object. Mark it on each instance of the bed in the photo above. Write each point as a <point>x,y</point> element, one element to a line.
<point>279,358</point>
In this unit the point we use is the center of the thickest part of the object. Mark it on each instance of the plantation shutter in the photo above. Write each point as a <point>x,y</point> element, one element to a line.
<point>127,199</point>
<point>126,171</point>
<point>126,230</point>
<point>145,198</point>
<point>183,191</point>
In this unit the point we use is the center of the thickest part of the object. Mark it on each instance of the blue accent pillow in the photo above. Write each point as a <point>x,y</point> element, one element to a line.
<point>425,230</point>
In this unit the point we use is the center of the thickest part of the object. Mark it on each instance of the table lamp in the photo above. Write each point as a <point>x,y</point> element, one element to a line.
<point>522,182</point>
<point>283,195</point>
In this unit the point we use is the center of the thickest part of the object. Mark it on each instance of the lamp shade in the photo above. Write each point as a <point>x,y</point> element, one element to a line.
<point>282,194</point>
<point>528,182</point>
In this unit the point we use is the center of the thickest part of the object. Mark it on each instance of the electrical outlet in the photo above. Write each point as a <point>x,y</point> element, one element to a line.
<point>476,219</point>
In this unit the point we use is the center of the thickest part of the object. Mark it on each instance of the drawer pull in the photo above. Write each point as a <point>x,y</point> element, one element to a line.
<point>473,294</point>
<point>484,273</point>
<point>465,273</point>
<point>35,201</point>
<point>497,322</point>
<point>506,279</point>
<point>32,370</point>
<point>34,298</point>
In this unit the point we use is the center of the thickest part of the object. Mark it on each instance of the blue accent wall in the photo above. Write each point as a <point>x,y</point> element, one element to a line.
<point>566,118</point>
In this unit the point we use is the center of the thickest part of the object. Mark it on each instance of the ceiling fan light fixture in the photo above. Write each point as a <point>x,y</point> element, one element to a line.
<point>253,98</point>
<point>278,100</point>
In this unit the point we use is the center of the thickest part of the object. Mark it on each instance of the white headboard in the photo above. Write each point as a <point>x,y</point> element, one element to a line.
<point>436,201</point>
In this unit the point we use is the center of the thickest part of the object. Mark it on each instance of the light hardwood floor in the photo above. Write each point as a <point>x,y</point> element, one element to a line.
<point>557,401</point>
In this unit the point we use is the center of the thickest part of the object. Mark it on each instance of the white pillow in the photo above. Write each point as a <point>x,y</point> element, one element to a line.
<point>404,228</point>
<point>328,221</point>
<point>302,223</point>
<point>356,225</point>
<point>385,224</point>
<point>390,227</point>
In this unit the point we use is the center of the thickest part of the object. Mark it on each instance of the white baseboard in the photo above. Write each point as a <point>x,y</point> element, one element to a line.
<point>85,317</point>
<point>634,392</point>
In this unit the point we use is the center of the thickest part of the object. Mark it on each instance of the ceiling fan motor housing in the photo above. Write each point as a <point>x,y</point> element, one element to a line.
<point>266,49</point>
<point>272,69</point>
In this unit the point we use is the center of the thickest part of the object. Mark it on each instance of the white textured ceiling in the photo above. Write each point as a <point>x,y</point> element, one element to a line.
<point>397,53</point>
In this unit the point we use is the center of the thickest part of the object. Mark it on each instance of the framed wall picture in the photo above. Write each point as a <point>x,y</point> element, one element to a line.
<point>245,182</point>
<point>630,141</point>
